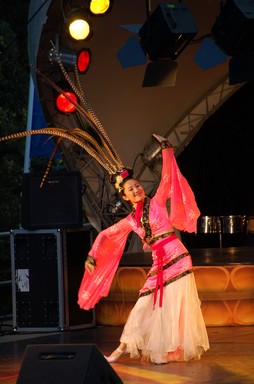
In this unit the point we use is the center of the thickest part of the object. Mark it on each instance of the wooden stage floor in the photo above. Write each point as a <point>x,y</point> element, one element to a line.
<point>229,360</point>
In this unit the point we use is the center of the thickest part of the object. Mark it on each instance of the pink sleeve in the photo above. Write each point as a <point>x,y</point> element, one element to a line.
<point>107,250</point>
<point>184,211</point>
<point>109,238</point>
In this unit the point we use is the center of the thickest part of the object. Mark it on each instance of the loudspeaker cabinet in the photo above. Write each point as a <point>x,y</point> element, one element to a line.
<point>47,268</point>
<point>65,364</point>
<point>55,204</point>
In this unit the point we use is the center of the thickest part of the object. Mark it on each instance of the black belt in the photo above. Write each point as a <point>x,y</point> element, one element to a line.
<point>153,240</point>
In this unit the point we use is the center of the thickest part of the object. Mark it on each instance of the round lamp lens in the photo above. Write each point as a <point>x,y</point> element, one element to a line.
<point>79,29</point>
<point>65,105</point>
<point>83,61</point>
<point>99,7</point>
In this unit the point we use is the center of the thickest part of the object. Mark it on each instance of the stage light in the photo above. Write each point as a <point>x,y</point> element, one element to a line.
<point>167,31</point>
<point>70,59</point>
<point>63,99</point>
<point>99,7</point>
<point>77,24</point>
<point>79,29</point>
<point>63,104</point>
<point>83,60</point>
<point>151,152</point>
<point>233,31</point>
<point>78,19</point>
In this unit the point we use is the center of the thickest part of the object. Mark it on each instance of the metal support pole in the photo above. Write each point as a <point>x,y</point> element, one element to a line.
<point>29,126</point>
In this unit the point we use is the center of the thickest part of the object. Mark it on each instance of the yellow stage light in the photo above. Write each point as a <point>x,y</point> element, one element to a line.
<point>79,29</point>
<point>99,7</point>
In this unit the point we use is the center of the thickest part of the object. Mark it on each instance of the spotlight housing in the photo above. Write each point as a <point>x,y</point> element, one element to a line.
<point>78,24</point>
<point>70,59</point>
<point>168,31</point>
<point>233,32</point>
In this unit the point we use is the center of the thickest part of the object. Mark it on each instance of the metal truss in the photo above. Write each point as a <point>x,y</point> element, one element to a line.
<point>183,131</point>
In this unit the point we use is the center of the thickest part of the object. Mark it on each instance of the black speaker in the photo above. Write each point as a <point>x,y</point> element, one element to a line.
<point>65,364</point>
<point>55,204</point>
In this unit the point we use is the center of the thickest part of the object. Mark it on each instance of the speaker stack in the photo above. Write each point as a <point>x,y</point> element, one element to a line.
<point>48,254</point>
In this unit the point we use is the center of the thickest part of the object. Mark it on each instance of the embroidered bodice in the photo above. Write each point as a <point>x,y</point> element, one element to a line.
<point>158,219</point>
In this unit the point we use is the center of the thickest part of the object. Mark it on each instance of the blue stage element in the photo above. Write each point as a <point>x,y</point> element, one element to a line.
<point>131,54</point>
<point>134,28</point>
<point>41,145</point>
<point>209,54</point>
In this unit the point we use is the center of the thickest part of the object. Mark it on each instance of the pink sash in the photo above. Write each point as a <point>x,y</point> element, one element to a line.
<point>160,252</point>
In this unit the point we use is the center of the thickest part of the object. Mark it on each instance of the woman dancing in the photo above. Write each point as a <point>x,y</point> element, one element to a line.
<point>166,323</point>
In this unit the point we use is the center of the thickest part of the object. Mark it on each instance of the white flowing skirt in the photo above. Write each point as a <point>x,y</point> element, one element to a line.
<point>174,332</point>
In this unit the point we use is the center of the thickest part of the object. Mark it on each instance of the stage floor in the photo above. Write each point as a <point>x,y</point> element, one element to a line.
<point>229,360</point>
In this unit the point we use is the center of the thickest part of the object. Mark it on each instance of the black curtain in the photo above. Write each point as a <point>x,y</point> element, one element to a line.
<point>219,161</point>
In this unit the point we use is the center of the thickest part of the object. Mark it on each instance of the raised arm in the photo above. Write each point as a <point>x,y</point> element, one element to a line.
<point>184,211</point>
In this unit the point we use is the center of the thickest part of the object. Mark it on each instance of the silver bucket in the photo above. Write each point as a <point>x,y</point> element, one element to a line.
<point>234,224</point>
<point>209,224</point>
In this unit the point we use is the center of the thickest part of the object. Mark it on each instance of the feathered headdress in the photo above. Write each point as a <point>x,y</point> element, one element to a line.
<point>105,154</point>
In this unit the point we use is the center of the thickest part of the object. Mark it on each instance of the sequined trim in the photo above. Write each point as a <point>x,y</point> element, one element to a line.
<point>159,237</point>
<point>167,282</point>
<point>145,221</point>
<point>148,238</point>
<point>175,260</point>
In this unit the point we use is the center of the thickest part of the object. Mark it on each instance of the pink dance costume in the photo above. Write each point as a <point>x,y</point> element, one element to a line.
<point>166,323</point>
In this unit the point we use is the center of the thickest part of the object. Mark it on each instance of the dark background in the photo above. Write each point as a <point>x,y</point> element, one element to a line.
<point>219,161</point>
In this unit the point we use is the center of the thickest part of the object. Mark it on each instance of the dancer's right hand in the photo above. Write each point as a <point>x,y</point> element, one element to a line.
<point>90,265</point>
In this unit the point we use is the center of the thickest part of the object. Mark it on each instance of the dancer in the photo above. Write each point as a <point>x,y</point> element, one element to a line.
<point>166,323</point>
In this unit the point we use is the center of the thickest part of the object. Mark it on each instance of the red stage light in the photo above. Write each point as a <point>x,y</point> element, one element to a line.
<point>63,104</point>
<point>83,60</point>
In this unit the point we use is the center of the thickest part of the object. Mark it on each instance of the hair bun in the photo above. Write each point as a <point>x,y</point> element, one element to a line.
<point>123,173</point>
<point>118,178</point>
